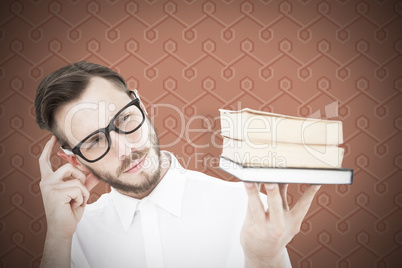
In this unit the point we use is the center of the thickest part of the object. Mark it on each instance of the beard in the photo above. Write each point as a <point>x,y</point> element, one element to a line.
<point>146,181</point>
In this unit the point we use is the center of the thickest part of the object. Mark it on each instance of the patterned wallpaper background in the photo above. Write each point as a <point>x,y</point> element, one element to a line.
<point>188,58</point>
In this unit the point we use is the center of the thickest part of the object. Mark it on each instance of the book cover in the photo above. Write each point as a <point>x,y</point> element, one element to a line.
<point>287,175</point>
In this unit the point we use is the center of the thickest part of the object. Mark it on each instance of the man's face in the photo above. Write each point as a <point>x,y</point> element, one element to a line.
<point>133,164</point>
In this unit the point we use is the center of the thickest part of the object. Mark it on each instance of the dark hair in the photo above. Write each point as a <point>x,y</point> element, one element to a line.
<point>65,85</point>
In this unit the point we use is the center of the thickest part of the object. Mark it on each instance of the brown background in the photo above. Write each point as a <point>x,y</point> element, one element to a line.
<point>290,57</point>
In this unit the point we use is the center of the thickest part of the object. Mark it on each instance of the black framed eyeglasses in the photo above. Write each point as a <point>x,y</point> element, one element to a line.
<point>97,144</point>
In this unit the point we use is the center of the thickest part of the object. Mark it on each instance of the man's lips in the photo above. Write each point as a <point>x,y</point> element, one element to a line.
<point>135,166</point>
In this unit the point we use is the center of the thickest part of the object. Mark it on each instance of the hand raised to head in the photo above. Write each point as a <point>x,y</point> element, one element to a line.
<point>65,193</point>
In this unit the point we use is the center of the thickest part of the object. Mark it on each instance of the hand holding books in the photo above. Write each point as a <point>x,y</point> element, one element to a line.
<point>266,233</point>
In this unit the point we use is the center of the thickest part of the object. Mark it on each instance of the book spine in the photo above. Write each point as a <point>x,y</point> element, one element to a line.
<point>259,128</point>
<point>282,154</point>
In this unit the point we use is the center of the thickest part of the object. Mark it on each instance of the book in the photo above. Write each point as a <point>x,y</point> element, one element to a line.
<point>287,175</point>
<point>266,147</point>
<point>264,127</point>
<point>249,154</point>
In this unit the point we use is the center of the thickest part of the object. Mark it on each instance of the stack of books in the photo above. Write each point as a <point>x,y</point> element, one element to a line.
<point>266,147</point>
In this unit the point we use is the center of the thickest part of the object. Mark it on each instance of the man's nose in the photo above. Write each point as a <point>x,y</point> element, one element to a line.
<point>120,145</point>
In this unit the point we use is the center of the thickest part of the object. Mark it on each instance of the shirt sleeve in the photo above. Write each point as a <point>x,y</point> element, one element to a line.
<point>78,259</point>
<point>236,255</point>
<point>288,263</point>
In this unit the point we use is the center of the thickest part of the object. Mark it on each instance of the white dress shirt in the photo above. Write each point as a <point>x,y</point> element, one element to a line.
<point>189,220</point>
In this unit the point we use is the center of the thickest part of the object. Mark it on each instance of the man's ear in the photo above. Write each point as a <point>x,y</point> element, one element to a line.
<point>91,180</point>
<point>72,160</point>
<point>143,108</point>
<point>141,103</point>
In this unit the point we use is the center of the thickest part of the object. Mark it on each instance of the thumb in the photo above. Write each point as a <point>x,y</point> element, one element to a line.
<point>91,181</point>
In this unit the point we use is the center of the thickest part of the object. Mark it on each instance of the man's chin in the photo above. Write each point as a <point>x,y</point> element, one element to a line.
<point>136,183</point>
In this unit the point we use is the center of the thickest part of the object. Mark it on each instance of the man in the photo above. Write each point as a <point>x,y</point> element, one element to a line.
<point>158,214</point>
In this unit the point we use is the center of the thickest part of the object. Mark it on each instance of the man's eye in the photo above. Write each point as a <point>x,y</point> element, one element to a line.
<point>94,142</point>
<point>123,119</point>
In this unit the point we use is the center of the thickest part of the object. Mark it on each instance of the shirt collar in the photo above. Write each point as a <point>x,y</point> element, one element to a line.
<point>168,194</point>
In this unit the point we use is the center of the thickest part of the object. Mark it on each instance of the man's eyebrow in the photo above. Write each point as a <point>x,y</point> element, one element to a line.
<point>124,112</point>
<point>94,136</point>
<point>118,113</point>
